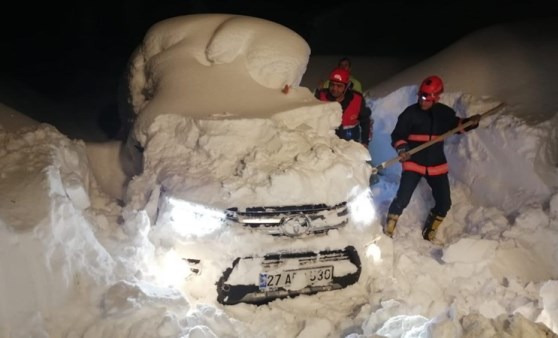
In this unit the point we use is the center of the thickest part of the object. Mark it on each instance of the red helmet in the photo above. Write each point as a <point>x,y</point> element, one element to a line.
<point>339,75</point>
<point>431,88</point>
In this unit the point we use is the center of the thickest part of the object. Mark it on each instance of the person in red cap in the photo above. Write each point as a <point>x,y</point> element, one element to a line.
<point>355,121</point>
<point>354,84</point>
<point>417,124</point>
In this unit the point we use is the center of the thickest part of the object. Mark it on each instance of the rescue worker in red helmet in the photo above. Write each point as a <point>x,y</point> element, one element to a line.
<point>354,84</point>
<point>419,123</point>
<point>355,121</point>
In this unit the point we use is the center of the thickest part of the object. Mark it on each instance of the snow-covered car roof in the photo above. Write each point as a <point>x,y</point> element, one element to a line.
<point>215,66</point>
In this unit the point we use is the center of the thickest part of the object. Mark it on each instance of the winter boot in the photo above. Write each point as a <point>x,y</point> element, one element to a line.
<point>432,223</point>
<point>391,222</point>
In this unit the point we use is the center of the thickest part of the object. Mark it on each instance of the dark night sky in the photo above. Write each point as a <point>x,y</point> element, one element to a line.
<point>77,50</point>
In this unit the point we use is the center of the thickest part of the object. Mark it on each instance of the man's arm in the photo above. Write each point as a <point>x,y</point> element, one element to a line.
<point>399,137</point>
<point>364,119</point>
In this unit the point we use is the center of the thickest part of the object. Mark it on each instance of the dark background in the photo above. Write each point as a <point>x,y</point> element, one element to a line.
<point>66,58</point>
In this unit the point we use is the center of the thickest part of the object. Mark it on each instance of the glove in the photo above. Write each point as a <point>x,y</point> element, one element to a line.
<point>404,156</point>
<point>403,153</point>
<point>475,119</point>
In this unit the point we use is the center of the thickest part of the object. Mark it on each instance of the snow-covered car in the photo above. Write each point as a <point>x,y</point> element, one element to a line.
<point>273,253</point>
<point>240,167</point>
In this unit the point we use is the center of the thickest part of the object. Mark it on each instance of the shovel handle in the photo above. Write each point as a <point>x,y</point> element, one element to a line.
<point>440,138</point>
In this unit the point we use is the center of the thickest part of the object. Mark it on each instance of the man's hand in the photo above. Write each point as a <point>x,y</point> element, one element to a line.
<point>402,152</point>
<point>475,119</point>
<point>404,156</point>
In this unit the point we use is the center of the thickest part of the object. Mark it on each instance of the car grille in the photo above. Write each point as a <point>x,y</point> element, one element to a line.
<point>291,220</point>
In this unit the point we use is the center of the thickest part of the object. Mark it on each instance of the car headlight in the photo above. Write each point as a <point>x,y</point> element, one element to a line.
<point>189,218</point>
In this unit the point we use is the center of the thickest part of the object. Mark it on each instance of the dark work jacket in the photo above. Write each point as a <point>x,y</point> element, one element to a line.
<point>416,126</point>
<point>355,111</point>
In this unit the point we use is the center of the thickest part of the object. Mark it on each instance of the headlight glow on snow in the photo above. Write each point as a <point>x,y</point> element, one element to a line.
<point>374,253</point>
<point>172,269</point>
<point>194,219</point>
<point>362,209</point>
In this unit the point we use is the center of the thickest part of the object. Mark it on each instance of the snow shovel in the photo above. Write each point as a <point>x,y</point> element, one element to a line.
<point>385,164</point>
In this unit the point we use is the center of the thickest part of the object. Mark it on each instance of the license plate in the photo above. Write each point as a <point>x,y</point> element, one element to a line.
<point>296,279</point>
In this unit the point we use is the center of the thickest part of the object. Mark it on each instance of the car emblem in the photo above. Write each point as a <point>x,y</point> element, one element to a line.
<point>296,225</point>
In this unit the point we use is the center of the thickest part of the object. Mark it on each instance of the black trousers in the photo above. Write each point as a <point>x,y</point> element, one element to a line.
<point>409,181</point>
